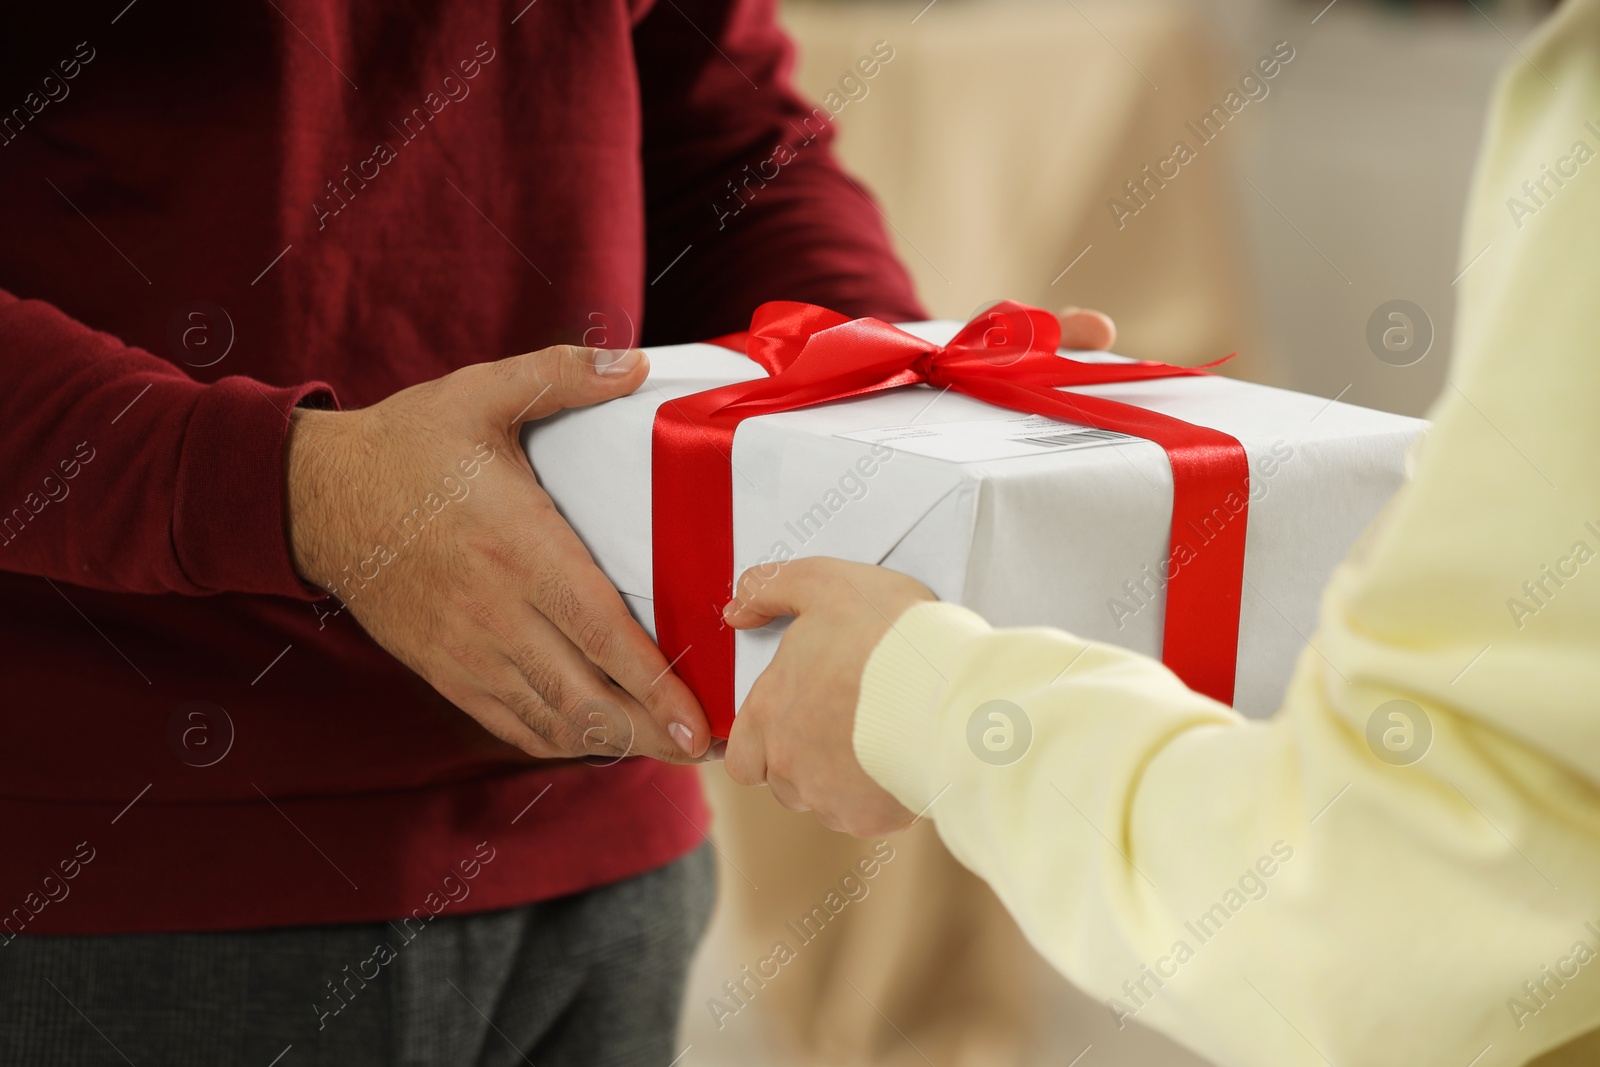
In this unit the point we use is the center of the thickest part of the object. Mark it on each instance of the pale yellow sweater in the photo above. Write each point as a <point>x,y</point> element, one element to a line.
<point>1273,892</point>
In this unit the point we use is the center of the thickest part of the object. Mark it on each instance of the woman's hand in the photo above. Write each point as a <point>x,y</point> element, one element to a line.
<point>794,732</point>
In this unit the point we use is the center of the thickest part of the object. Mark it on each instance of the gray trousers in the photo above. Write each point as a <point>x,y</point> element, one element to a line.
<point>594,978</point>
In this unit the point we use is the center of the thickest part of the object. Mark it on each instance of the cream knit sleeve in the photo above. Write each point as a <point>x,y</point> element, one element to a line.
<point>1403,865</point>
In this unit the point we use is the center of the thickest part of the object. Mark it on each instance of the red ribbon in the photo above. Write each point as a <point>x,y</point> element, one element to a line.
<point>1007,357</point>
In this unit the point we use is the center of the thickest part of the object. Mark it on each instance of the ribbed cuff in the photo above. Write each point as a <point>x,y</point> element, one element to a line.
<point>228,523</point>
<point>896,733</point>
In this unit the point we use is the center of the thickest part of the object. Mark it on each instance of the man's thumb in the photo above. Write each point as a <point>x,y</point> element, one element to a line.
<point>541,383</point>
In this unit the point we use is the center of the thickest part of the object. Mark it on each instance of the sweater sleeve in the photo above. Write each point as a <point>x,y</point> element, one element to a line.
<point>744,198</point>
<point>123,473</point>
<point>1403,865</point>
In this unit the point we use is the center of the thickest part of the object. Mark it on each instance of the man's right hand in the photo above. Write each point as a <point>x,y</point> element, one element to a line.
<point>422,514</point>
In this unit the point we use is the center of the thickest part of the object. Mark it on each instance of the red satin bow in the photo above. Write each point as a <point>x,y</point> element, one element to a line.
<point>1007,357</point>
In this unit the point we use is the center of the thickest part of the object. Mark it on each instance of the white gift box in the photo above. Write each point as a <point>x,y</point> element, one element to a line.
<point>1026,520</point>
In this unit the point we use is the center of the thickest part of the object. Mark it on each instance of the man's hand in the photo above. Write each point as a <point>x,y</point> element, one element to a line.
<point>1086,330</point>
<point>795,730</point>
<point>422,515</point>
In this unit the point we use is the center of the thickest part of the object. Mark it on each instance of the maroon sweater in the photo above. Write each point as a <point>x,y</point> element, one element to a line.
<point>212,212</point>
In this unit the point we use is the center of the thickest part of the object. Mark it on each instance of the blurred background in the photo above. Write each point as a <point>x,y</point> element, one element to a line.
<point>997,140</point>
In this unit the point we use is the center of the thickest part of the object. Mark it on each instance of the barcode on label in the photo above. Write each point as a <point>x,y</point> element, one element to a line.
<point>1074,437</point>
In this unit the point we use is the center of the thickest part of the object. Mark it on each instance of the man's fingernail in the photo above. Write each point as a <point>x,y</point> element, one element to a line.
<point>682,735</point>
<point>730,609</point>
<point>613,364</point>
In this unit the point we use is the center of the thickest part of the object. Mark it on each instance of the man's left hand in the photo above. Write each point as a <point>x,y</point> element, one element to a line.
<point>1087,331</point>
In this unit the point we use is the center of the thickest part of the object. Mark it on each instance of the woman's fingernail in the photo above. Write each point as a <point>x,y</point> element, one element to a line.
<point>682,735</point>
<point>610,363</point>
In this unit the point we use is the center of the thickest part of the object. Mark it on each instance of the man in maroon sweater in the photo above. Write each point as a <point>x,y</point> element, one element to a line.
<point>237,238</point>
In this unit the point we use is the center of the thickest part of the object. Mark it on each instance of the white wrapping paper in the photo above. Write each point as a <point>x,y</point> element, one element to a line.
<point>1025,520</point>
